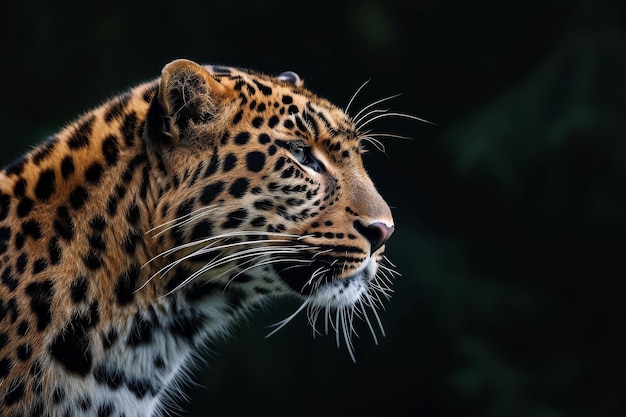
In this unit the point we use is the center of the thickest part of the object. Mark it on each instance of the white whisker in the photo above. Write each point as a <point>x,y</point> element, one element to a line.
<point>316,254</point>
<point>284,322</point>
<point>326,318</point>
<point>318,272</point>
<point>380,324</point>
<point>377,143</point>
<point>394,114</point>
<point>271,247</point>
<point>225,236</point>
<point>369,114</point>
<point>367,320</point>
<point>387,135</point>
<point>347,109</point>
<point>313,314</point>
<point>348,330</point>
<point>369,106</point>
<point>337,326</point>
<point>245,254</point>
<point>210,247</point>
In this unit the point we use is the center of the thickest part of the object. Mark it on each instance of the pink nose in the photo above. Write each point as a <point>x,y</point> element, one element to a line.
<point>376,233</point>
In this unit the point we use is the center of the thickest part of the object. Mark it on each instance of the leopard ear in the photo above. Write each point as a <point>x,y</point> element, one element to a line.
<point>291,78</point>
<point>188,96</point>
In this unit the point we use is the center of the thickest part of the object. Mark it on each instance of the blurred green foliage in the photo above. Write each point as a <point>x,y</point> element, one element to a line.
<point>510,213</point>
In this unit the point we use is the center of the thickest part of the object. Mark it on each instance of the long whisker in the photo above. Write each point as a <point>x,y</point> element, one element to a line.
<point>284,322</point>
<point>326,318</point>
<point>209,267</point>
<point>244,254</point>
<point>256,252</point>
<point>371,113</point>
<point>224,236</point>
<point>369,106</point>
<point>387,135</point>
<point>380,324</point>
<point>208,249</point>
<point>313,314</point>
<point>318,272</point>
<point>377,143</point>
<point>367,320</point>
<point>337,326</point>
<point>394,114</point>
<point>348,330</point>
<point>356,93</point>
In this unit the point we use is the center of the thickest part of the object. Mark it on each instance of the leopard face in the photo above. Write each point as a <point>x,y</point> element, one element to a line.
<point>289,191</point>
<point>146,227</point>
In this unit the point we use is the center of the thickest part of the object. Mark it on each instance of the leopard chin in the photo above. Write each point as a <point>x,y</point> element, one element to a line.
<point>340,301</point>
<point>345,292</point>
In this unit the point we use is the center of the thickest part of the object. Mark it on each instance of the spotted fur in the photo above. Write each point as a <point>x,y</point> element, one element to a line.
<point>145,228</point>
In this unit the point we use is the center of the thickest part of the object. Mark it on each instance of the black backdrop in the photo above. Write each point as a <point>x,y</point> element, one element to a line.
<point>510,212</point>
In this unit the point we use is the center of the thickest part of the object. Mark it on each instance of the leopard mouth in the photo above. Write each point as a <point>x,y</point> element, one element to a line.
<point>325,284</point>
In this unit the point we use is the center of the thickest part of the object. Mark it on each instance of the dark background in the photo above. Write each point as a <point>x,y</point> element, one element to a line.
<point>510,212</point>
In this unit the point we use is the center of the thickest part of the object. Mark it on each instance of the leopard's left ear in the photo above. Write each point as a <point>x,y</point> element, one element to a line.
<point>291,78</point>
<point>188,96</point>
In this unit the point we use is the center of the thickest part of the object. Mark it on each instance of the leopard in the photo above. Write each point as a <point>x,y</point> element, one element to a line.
<point>147,228</point>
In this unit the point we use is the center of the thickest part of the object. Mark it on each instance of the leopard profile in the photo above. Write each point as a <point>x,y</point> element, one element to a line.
<point>151,224</point>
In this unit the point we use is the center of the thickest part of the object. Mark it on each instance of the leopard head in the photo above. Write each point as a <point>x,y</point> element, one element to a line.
<point>262,183</point>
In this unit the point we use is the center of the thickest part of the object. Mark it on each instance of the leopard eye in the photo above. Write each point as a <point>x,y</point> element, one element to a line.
<point>299,153</point>
<point>303,155</point>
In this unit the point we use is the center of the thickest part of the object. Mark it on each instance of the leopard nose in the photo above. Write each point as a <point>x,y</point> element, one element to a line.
<point>377,233</point>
